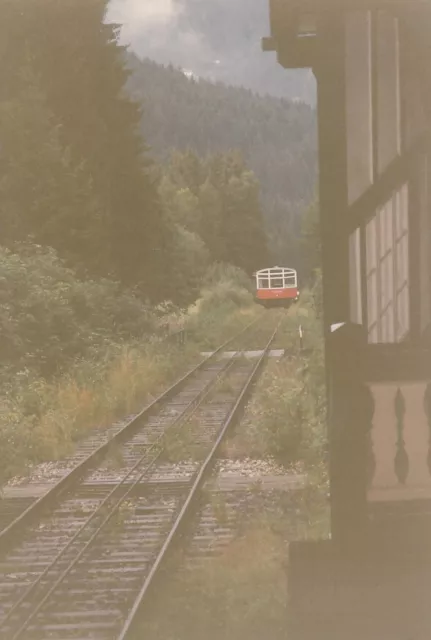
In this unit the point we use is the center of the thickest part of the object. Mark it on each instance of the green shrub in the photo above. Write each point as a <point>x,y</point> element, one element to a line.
<point>40,419</point>
<point>77,354</point>
<point>49,316</point>
<point>239,594</point>
<point>224,306</point>
<point>285,418</point>
<point>223,294</point>
<point>220,272</point>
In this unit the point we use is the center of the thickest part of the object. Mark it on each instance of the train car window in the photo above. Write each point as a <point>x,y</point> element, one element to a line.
<point>289,281</point>
<point>277,283</point>
<point>276,278</point>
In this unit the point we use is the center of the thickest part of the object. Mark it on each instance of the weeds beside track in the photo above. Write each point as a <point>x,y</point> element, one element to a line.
<point>85,567</point>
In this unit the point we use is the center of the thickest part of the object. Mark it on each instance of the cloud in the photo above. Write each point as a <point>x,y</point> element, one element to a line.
<point>159,29</point>
<point>139,15</point>
<point>149,20</point>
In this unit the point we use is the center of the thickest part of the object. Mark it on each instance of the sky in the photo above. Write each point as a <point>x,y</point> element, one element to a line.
<point>154,29</point>
<point>162,31</point>
<point>140,17</point>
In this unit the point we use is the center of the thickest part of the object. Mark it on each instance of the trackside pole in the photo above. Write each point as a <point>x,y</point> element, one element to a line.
<point>301,337</point>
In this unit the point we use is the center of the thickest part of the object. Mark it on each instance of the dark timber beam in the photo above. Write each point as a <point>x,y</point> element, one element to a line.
<point>345,5</point>
<point>333,198</point>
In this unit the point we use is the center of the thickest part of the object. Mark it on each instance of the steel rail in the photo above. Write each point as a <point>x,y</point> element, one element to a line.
<point>14,529</point>
<point>105,521</point>
<point>84,543</point>
<point>131,620</point>
<point>188,412</point>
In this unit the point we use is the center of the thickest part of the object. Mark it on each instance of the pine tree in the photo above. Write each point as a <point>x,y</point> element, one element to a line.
<point>277,139</point>
<point>243,240</point>
<point>81,72</point>
<point>211,224</point>
<point>219,200</point>
<point>44,194</point>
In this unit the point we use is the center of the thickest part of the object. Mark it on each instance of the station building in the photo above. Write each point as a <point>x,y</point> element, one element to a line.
<point>372,63</point>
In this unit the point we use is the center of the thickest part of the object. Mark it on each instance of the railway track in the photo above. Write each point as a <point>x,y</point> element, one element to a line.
<point>16,510</point>
<point>79,562</point>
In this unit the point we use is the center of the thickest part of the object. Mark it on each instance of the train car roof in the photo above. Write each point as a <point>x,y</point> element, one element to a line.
<point>271,269</point>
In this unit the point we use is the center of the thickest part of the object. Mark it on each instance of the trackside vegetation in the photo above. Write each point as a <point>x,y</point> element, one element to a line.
<point>98,230</point>
<point>109,247</point>
<point>78,354</point>
<point>241,591</point>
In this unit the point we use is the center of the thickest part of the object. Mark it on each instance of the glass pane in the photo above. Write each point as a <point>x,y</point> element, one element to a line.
<point>277,283</point>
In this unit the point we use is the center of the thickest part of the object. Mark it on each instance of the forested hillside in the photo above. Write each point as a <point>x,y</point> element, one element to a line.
<point>139,174</point>
<point>214,39</point>
<point>135,205</point>
<point>77,176</point>
<point>276,136</point>
<point>213,208</point>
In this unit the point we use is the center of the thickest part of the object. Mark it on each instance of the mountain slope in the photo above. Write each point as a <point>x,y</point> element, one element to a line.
<point>276,136</point>
<point>217,39</point>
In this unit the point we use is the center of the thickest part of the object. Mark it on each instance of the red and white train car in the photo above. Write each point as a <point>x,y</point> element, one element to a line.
<point>276,287</point>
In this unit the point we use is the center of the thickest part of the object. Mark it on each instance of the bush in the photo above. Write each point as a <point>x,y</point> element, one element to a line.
<point>239,594</point>
<point>220,272</point>
<point>223,294</point>
<point>40,419</point>
<point>49,317</point>
<point>224,306</point>
<point>285,418</point>
<point>77,354</point>
<point>224,285</point>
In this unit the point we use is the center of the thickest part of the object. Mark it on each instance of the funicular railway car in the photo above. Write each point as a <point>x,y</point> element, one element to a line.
<point>276,287</point>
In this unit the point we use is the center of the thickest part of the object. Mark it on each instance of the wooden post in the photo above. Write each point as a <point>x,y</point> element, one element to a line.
<point>350,415</point>
<point>346,441</point>
<point>333,192</point>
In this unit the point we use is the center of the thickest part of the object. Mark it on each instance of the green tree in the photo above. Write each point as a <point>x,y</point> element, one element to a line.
<point>80,71</point>
<point>243,240</point>
<point>277,139</point>
<point>211,224</point>
<point>44,192</point>
<point>180,205</point>
<point>190,259</point>
<point>49,316</point>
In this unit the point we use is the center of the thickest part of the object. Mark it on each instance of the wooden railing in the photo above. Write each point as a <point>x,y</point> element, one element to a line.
<point>380,428</point>
<point>399,380</point>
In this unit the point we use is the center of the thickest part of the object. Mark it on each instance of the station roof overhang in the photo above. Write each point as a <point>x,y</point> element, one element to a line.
<point>294,24</point>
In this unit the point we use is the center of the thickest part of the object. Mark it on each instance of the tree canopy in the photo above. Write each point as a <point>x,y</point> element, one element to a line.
<point>277,138</point>
<point>224,171</point>
<point>75,173</point>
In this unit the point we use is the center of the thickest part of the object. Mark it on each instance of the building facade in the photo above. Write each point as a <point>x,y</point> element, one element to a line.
<point>371,59</point>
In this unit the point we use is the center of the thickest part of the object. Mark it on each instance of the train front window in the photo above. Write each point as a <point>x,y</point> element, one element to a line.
<point>277,283</point>
<point>289,281</point>
<point>263,283</point>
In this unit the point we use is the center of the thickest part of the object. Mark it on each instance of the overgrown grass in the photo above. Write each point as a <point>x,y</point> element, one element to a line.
<point>179,443</point>
<point>42,417</point>
<point>238,595</point>
<point>242,593</point>
<point>286,415</point>
<point>284,419</point>
<point>211,326</point>
<point>224,307</point>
